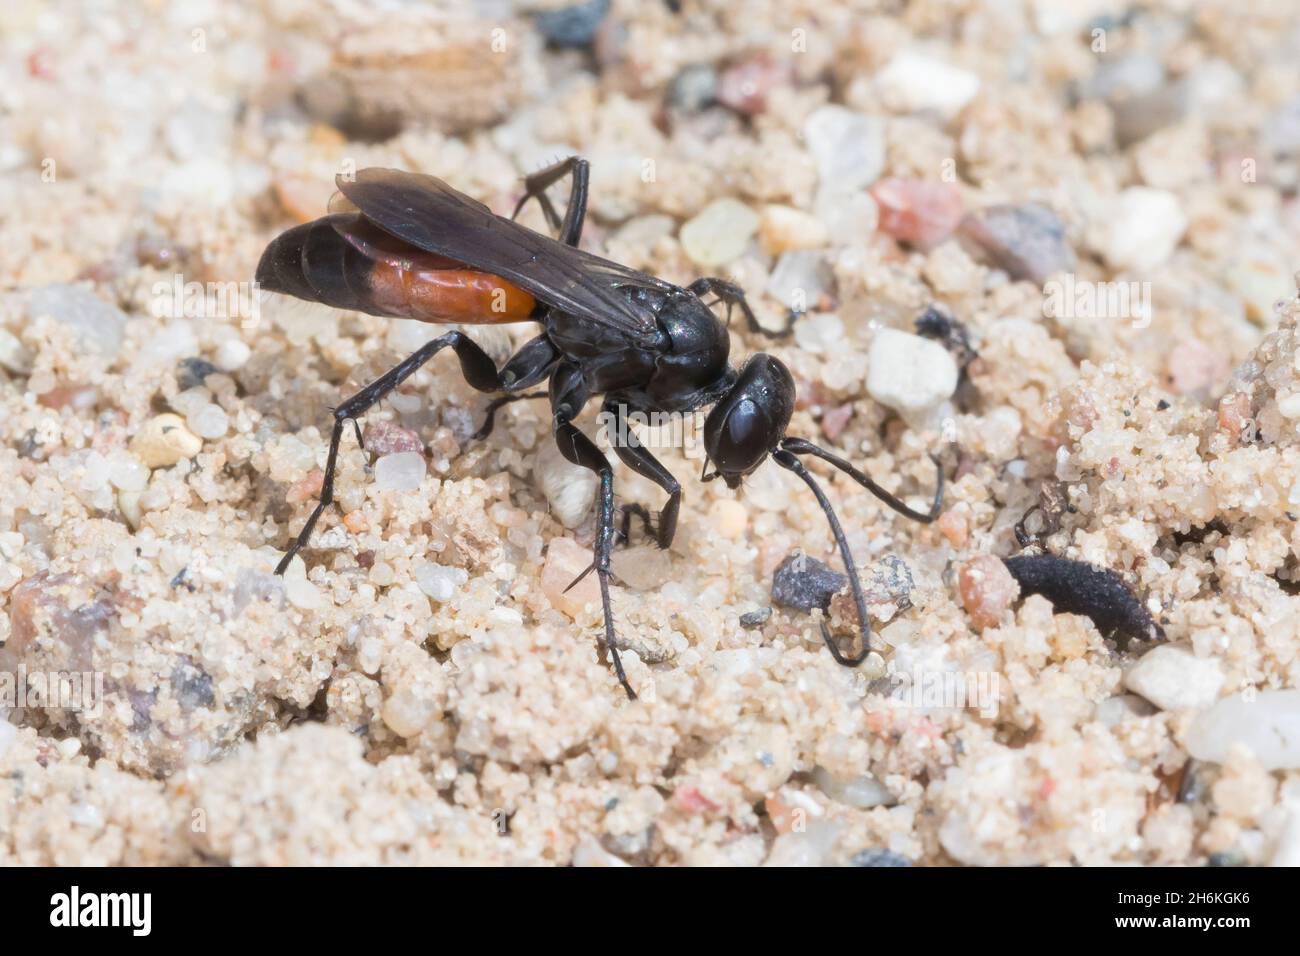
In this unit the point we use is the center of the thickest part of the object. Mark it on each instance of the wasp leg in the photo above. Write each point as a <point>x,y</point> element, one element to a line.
<point>627,513</point>
<point>801,446</point>
<point>528,366</point>
<point>569,231</point>
<point>489,422</point>
<point>638,458</point>
<point>568,395</point>
<point>730,295</point>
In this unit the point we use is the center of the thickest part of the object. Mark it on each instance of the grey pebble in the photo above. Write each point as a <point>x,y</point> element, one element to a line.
<point>1026,242</point>
<point>804,583</point>
<point>878,858</point>
<point>573,26</point>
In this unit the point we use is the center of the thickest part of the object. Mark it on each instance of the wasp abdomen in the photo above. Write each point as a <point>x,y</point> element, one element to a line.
<point>344,262</point>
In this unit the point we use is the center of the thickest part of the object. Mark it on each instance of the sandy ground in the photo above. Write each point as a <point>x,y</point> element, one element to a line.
<point>1102,196</point>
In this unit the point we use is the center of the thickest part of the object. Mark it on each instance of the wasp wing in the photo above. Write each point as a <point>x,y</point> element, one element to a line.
<point>430,215</point>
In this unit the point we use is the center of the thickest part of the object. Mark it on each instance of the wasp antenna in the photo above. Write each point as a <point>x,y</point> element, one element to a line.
<point>800,446</point>
<point>787,460</point>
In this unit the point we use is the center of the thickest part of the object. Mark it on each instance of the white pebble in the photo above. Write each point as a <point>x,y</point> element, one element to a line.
<point>909,373</point>
<point>300,592</point>
<point>164,440</point>
<point>589,852</point>
<point>209,421</point>
<point>95,475</point>
<point>1173,678</point>
<point>719,233</point>
<point>439,581</point>
<point>97,324</point>
<point>13,354</point>
<point>86,815</point>
<point>370,655</point>
<point>863,791</point>
<point>800,279</point>
<point>1141,229</point>
<point>401,471</point>
<point>191,400</point>
<point>166,345</point>
<point>849,147</point>
<point>406,713</point>
<point>849,215</point>
<point>913,83</point>
<point>290,458</point>
<point>809,848</point>
<point>1266,722</point>
<point>127,472</point>
<point>820,332</point>
<point>783,228</point>
<point>8,734</point>
<point>570,489</point>
<point>232,355</point>
<point>1287,851</point>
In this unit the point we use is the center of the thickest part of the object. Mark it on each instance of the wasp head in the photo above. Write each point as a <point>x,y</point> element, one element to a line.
<point>750,420</point>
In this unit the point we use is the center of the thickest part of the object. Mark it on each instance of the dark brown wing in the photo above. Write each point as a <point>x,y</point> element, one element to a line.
<point>430,215</point>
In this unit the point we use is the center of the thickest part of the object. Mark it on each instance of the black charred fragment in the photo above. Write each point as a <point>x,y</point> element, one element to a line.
<point>1076,587</point>
<point>935,323</point>
<point>1044,518</point>
<point>1198,534</point>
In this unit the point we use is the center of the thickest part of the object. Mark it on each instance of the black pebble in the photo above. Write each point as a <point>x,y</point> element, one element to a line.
<point>1076,587</point>
<point>804,583</point>
<point>191,372</point>
<point>756,619</point>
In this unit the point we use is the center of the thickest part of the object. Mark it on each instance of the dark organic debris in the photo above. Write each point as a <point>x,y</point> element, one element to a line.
<point>1076,587</point>
<point>804,583</point>
<point>1044,518</point>
<point>935,323</point>
<point>1198,534</point>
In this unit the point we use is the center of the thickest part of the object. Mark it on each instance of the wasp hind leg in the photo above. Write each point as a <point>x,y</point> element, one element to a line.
<point>490,413</point>
<point>568,395</point>
<point>569,229</point>
<point>525,368</point>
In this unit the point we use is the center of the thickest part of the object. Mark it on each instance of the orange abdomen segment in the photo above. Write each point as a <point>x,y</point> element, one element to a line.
<point>432,289</point>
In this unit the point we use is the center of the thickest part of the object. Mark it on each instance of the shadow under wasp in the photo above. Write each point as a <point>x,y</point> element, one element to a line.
<point>409,246</point>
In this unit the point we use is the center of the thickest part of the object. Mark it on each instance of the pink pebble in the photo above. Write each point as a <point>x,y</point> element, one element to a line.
<point>387,438</point>
<point>918,212</point>
<point>744,86</point>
